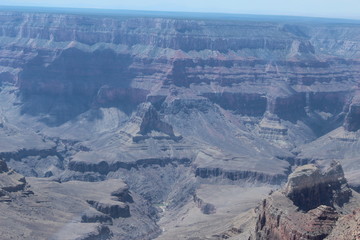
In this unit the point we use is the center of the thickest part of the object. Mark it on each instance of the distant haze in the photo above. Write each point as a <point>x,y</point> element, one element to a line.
<point>314,8</point>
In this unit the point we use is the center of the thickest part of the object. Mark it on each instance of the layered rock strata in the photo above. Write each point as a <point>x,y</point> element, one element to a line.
<point>176,74</point>
<point>72,210</point>
<point>309,207</point>
<point>308,187</point>
<point>347,227</point>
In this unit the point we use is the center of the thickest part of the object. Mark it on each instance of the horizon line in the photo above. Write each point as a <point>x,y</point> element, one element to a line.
<point>152,13</point>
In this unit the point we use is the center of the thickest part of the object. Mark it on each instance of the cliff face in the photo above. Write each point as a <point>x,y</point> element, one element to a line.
<point>248,67</point>
<point>308,188</point>
<point>66,67</point>
<point>102,61</point>
<point>309,207</point>
<point>352,118</point>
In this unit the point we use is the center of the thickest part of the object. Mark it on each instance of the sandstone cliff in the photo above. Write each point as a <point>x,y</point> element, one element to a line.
<point>313,204</point>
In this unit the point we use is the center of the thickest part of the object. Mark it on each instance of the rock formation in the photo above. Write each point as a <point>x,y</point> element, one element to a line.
<point>206,208</point>
<point>112,208</point>
<point>72,210</point>
<point>11,183</point>
<point>347,227</point>
<point>308,187</point>
<point>309,207</point>
<point>151,122</point>
<point>352,118</point>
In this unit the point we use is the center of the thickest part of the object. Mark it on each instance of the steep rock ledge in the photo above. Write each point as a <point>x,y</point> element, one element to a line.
<point>234,175</point>
<point>112,208</point>
<point>123,195</point>
<point>93,216</point>
<point>309,188</point>
<point>307,208</point>
<point>352,119</point>
<point>104,167</point>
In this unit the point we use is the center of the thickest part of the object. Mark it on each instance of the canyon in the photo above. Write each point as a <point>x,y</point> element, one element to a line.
<point>134,125</point>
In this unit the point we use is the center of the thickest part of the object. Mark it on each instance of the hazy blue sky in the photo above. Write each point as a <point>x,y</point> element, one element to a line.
<point>321,8</point>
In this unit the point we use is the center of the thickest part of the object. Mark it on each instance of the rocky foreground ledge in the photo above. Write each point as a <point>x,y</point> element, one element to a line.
<point>314,205</point>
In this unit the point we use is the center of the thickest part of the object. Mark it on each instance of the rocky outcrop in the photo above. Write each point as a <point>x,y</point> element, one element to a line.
<point>271,128</point>
<point>308,187</point>
<point>347,227</point>
<point>352,119</point>
<point>308,208</point>
<point>205,208</point>
<point>280,224</point>
<point>104,167</point>
<point>112,208</point>
<point>151,126</point>
<point>238,175</point>
<point>115,207</point>
<point>12,183</point>
<point>92,216</point>
<point>123,195</point>
<point>3,167</point>
<point>151,122</point>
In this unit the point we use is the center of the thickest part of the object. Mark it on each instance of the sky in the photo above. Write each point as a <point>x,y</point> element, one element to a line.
<point>313,8</point>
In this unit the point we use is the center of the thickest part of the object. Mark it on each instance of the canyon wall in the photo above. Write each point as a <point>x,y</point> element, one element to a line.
<point>245,66</point>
